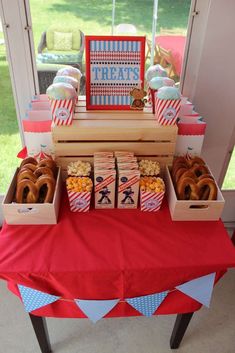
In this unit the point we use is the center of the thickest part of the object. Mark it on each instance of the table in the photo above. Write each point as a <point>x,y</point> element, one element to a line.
<point>106,254</point>
<point>176,45</point>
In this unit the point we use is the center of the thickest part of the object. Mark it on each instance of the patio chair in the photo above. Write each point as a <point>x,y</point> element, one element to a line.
<point>167,61</point>
<point>156,58</point>
<point>61,45</point>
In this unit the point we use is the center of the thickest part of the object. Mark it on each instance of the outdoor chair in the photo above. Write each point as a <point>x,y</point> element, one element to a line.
<point>156,58</point>
<point>167,61</point>
<point>61,45</point>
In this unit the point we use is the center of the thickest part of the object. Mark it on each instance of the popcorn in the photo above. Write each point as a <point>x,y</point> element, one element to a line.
<point>152,184</point>
<point>79,184</point>
<point>79,168</point>
<point>148,167</point>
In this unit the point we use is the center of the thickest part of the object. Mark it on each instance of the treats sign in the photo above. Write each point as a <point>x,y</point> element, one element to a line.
<point>114,65</point>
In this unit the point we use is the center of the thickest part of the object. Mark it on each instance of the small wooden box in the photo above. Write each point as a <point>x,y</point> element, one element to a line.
<point>35,213</point>
<point>190,210</point>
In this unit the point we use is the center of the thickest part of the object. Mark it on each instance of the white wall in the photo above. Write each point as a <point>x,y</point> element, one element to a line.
<point>210,75</point>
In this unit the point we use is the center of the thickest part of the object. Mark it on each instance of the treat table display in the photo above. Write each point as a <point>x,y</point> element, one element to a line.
<point>108,254</point>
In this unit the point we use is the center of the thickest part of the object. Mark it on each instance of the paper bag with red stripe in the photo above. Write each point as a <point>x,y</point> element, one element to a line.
<point>167,111</point>
<point>104,181</point>
<point>128,188</point>
<point>62,111</point>
<point>79,201</point>
<point>151,201</point>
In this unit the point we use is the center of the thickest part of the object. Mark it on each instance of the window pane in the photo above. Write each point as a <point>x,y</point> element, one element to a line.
<point>10,143</point>
<point>229,180</point>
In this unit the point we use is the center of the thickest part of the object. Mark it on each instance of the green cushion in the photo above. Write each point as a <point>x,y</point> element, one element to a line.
<point>76,40</point>
<point>60,52</point>
<point>63,41</point>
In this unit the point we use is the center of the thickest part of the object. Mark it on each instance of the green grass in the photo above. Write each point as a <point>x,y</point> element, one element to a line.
<point>9,133</point>
<point>229,181</point>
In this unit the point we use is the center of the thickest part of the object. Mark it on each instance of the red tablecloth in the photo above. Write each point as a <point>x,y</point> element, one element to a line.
<point>107,254</point>
<point>176,44</point>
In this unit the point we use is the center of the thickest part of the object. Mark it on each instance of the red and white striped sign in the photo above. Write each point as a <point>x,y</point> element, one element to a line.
<point>79,201</point>
<point>62,111</point>
<point>167,111</point>
<point>151,201</point>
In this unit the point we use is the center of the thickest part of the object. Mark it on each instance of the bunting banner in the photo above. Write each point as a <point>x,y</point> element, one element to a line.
<point>147,304</point>
<point>96,309</point>
<point>199,289</point>
<point>34,299</point>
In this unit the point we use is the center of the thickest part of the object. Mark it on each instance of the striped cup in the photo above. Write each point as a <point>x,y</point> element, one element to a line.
<point>151,201</point>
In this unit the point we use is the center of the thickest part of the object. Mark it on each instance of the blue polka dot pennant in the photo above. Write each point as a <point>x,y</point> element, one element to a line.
<point>147,304</point>
<point>34,299</point>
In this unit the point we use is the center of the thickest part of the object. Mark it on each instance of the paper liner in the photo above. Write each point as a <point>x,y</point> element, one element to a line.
<point>167,111</point>
<point>151,201</point>
<point>79,201</point>
<point>63,111</point>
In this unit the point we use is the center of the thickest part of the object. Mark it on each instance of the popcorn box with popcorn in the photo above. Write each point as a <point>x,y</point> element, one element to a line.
<point>123,154</point>
<point>128,188</point>
<point>104,182</point>
<point>167,111</point>
<point>63,111</point>
<point>151,201</point>
<point>79,201</point>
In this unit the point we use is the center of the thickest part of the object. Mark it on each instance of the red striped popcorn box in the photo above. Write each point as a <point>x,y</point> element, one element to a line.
<point>151,201</point>
<point>62,111</point>
<point>79,201</point>
<point>167,111</point>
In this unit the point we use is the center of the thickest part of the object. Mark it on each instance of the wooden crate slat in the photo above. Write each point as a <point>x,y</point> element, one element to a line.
<point>64,161</point>
<point>88,148</point>
<point>106,130</point>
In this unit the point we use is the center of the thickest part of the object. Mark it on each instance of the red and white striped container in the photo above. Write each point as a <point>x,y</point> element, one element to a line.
<point>62,111</point>
<point>79,201</point>
<point>167,111</point>
<point>151,201</point>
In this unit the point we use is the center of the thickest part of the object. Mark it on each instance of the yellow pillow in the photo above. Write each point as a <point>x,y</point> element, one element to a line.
<point>63,41</point>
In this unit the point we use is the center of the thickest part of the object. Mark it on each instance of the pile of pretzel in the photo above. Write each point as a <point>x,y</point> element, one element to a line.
<point>193,180</point>
<point>36,181</point>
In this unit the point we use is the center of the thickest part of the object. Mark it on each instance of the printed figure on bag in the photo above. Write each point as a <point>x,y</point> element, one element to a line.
<point>104,196</point>
<point>128,199</point>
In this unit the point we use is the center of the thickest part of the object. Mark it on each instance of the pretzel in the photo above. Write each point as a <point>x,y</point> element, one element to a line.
<point>29,166</point>
<point>199,170</point>
<point>49,182</point>
<point>196,160</point>
<point>183,185</point>
<point>27,160</point>
<point>26,191</point>
<point>47,162</point>
<point>208,182</point>
<point>26,174</point>
<point>42,171</point>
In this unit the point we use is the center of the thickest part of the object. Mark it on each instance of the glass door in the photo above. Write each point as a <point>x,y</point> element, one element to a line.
<point>10,142</point>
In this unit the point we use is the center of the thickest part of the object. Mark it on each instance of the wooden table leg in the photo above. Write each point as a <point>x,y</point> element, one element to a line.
<point>40,329</point>
<point>181,324</point>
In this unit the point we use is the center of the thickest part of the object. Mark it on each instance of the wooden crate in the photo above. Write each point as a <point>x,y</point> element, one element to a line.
<point>190,210</point>
<point>31,213</point>
<point>102,130</point>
